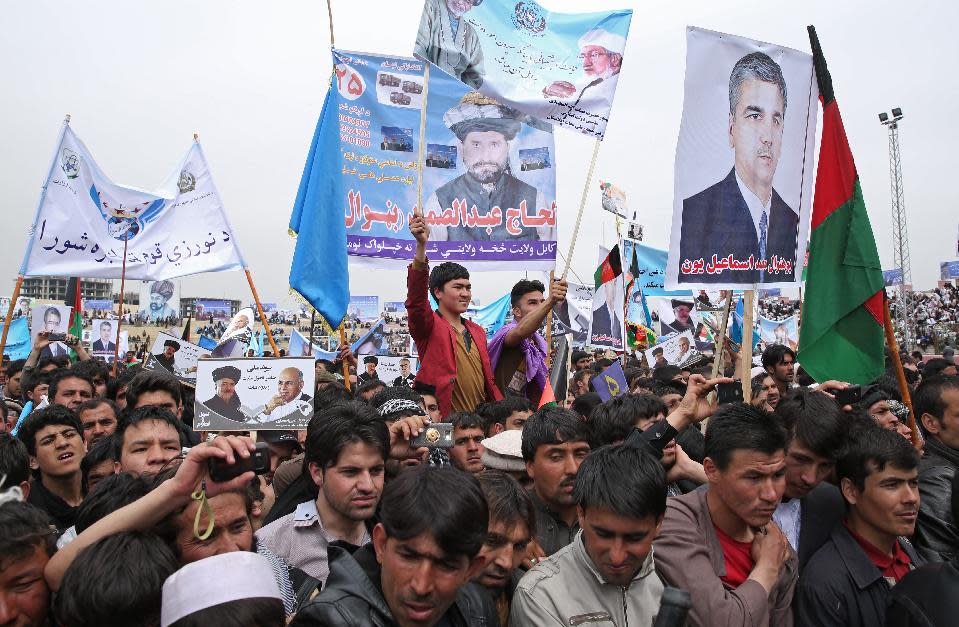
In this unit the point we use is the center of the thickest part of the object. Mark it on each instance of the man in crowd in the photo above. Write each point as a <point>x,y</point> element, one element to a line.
<point>810,506</point>
<point>283,445</point>
<point>517,352</point>
<point>155,389</point>
<point>26,544</point>
<point>581,360</point>
<point>226,401</point>
<point>469,431</point>
<point>370,362</point>
<point>937,407</point>
<point>779,360</point>
<point>720,544</point>
<point>53,438</point>
<point>14,465</point>
<point>607,573</point>
<point>452,350</point>
<point>425,551</point>
<point>512,520</point>
<point>70,389</point>
<point>510,413</point>
<point>98,416</point>
<point>555,443</point>
<point>12,391</point>
<point>765,392</point>
<point>847,581</point>
<point>406,376</point>
<point>346,453</point>
<point>430,403</point>
<point>147,439</point>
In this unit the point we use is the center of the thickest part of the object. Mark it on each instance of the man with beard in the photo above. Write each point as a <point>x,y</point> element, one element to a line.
<point>485,129</point>
<point>160,294</point>
<point>226,401</point>
<point>450,42</point>
<point>742,215</point>
<point>345,456</point>
<point>512,520</point>
<point>165,359</point>
<point>681,317</point>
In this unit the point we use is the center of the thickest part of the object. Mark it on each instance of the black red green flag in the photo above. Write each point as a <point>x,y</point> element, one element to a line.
<point>610,268</point>
<point>841,336</point>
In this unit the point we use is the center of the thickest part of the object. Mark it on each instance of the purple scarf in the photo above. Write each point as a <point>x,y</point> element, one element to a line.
<point>534,347</point>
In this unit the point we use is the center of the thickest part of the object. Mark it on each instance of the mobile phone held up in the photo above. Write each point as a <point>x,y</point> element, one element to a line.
<point>849,395</point>
<point>727,393</point>
<point>258,462</point>
<point>434,435</point>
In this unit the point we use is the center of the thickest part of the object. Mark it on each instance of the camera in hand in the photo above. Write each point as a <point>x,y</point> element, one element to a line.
<point>850,395</point>
<point>434,435</point>
<point>57,337</point>
<point>258,462</point>
<point>727,393</point>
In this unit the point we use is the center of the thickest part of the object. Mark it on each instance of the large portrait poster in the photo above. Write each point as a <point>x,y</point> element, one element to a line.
<point>674,351</point>
<point>391,370</point>
<point>573,315</point>
<point>254,393</point>
<point>50,319</point>
<point>744,164</point>
<point>175,356</point>
<point>559,67</point>
<point>488,178</point>
<point>103,339</point>
<point>606,329</point>
<point>783,332</point>
<point>159,300</point>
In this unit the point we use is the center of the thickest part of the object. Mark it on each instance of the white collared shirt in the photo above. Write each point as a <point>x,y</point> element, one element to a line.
<point>788,517</point>
<point>756,206</point>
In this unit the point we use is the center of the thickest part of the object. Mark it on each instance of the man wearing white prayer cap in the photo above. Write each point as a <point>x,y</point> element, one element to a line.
<point>219,590</point>
<point>601,53</point>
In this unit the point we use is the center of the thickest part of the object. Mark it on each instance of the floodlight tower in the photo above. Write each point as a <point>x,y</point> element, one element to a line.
<point>900,235</point>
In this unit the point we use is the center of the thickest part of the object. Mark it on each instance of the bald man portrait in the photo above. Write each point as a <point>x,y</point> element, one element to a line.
<point>289,388</point>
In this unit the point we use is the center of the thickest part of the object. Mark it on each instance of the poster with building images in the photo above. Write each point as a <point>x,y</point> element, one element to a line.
<point>948,270</point>
<point>254,393</point>
<point>784,332</point>
<point>395,307</point>
<point>363,308</point>
<point>744,164</point>
<point>175,356</point>
<point>673,351</point>
<point>388,369</point>
<point>159,300</point>
<point>51,318</point>
<point>103,338</point>
<point>573,315</point>
<point>211,309</point>
<point>236,338</point>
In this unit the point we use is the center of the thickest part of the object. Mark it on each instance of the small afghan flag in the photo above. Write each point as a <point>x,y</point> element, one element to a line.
<point>611,268</point>
<point>841,336</point>
<point>76,323</point>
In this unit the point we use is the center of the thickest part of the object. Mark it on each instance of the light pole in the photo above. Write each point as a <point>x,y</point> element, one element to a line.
<point>900,234</point>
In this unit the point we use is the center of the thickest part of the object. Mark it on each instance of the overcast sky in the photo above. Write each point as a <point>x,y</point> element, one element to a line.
<point>140,78</point>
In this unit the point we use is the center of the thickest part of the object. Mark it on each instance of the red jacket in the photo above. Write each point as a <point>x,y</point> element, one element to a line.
<point>436,342</point>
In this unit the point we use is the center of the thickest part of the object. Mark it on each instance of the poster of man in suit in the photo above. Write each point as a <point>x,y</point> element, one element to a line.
<point>743,164</point>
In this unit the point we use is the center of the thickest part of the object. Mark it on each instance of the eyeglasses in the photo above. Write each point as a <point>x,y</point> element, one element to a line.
<point>68,434</point>
<point>593,55</point>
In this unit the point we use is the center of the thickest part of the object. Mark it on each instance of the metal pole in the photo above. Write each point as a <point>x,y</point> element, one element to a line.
<point>900,234</point>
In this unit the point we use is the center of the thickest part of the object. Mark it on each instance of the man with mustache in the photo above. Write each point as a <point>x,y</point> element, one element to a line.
<point>848,581</point>
<point>743,215</point>
<point>485,129</point>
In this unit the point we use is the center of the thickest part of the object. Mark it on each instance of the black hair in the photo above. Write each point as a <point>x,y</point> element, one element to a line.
<point>366,386</point>
<point>342,424</point>
<point>467,420</point>
<point>31,379</point>
<point>872,450</point>
<point>553,425</point>
<point>95,402</point>
<point>507,501</point>
<point>444,273</point>
<point>774,355</point>
<point>332,393</point>
<point>108,496</point>
<point>57,362</point>
<point>14,462</point>
<point>757,382</point>
<point>814,420</point>
<point>61,375</point>
<point>500,411</point>
<point>25,527</point>
<point>424,388</point>
<point>928,398</point>
<point>665,388</point>
<point>586,403</point>
<point>103,450</point>
<point>50,415</point>
<point>14,367</point>
<point>625,480</point>
<point>153,381</point>
<point>739,426</point>
<point>665,374</point>
<point>122,380</point>
<point>935,366</point>
<point>803,378</point>
<point>133,417</point>
<point>442,501</point>
<point>117,580</point>
<point>613,421</point>
<point>93,369</point>
<point>259,611</point>
<point>522,288</point>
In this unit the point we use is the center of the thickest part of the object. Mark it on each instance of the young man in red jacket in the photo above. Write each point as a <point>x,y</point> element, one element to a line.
<point>452,350</point>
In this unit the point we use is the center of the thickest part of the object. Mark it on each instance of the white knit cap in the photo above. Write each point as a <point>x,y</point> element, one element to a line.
<point>215,580</point>
<point>504,451</point>
<point>604,39</point>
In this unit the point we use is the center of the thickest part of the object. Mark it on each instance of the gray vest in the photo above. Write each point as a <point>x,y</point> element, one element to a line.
<point>508,193</point>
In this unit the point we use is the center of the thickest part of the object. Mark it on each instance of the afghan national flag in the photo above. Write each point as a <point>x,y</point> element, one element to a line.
<point>841,336</point>
<point>611,268</point>
<point>76,324</point>
<point>186,330</point>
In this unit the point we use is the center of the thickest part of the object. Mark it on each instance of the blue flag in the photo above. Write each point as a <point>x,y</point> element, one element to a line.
<point>207,343</point>
<point>18,340</point>
<point>611,382</point>
<point>320,273</point>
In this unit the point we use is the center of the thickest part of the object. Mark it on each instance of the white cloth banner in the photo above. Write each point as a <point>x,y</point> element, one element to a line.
<point>84,217</point>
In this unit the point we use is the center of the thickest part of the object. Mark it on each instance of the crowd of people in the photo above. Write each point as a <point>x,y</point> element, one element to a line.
<point>934,321</point>
<point>815,503</point>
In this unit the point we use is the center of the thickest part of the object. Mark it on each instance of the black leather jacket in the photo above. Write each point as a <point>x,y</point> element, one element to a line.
<point>352,597</point>
<point>937,537</point>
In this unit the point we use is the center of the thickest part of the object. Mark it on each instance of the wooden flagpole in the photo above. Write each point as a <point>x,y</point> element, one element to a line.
<point>123,280</point>
<point>746,351</point>
<point>259,309</point>
<point>8,319</point>
<point>582,205</point>
<point>346,366</point>
<point>549,327</point>
<point>900,373</point>
<point>422,147</point>
<point>721,338</point>
<point>309,349</point>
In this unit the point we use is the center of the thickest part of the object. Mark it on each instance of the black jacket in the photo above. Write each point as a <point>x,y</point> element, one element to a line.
<point>821,510</point>
<point>352,597</point>
<point>937,537</point>
<point>840,586</point>
<point>926,597</point>
<point>716,221</point>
